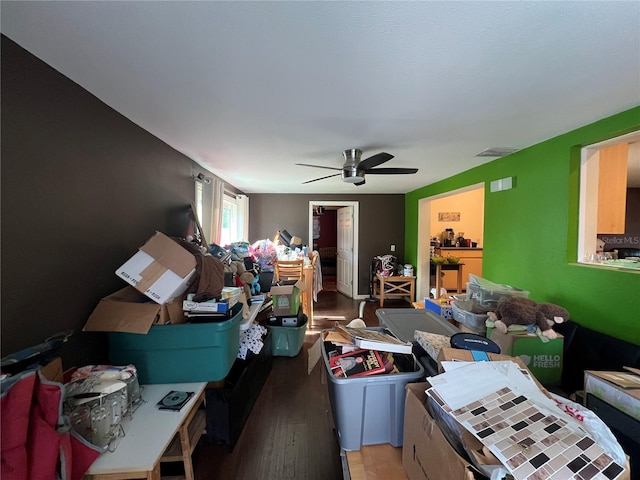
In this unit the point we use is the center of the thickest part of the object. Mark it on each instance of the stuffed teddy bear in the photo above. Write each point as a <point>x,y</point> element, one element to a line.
<point>524,311</point>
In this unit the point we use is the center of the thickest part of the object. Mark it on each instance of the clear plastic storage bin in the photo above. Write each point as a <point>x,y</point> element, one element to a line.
<point>476,322</point>
<point>487,293</point>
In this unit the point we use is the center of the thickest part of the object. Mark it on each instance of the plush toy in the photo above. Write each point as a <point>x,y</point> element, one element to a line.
<point>524,311</point>
<point>247,280</point>
<point>255,285</point>
<point>254,268</point>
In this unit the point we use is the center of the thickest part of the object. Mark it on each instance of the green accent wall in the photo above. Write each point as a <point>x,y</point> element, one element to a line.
<point>531,235</point>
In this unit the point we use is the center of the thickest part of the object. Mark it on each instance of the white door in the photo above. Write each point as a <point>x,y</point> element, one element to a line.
<point>344,270</point>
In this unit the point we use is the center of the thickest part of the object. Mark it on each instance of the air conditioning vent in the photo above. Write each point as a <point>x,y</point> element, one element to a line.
<point>496,152</point>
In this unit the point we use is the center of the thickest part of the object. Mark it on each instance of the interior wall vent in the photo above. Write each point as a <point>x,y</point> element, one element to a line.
<point>496,152</point>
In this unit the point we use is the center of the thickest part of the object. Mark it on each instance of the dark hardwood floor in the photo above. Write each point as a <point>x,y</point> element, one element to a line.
<point>290,434</point>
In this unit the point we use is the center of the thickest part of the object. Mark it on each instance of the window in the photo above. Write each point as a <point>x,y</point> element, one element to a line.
<point>609,200</point>
<point>199,200</point>
<point>227,221</point>
<point>229,231</point>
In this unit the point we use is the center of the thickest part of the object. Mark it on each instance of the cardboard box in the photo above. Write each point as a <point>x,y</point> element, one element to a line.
<point>52,371</point>
<point>161,269</point>
<point>450,354</point>
<point>204,307</point>
<point>619,389</point>
<point>231,293</point>
<point>228,298</point>
<point>426,453</point>
<point>128,310</point>
<point>543,359</point>
<point>286,298</point>
<point>442,309</point>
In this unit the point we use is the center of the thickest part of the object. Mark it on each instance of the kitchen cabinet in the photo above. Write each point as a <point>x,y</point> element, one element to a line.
<point>612,189</point>
<point>472,259</point>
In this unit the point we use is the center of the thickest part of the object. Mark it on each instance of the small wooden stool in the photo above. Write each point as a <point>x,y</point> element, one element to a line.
<point>394,286</point>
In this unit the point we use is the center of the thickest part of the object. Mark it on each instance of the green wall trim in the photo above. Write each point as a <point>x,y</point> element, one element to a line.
<point>530,231</point>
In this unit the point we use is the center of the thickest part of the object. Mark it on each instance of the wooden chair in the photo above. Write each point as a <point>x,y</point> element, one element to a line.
<point>289,270</point>
<point>314,258</point>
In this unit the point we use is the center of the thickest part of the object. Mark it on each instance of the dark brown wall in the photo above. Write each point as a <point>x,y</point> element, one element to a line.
<point>328,222</point>
<point>82,189</point>
<point>381,223</point>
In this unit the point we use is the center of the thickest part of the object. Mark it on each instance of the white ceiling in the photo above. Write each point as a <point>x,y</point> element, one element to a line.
<point>248,89</point>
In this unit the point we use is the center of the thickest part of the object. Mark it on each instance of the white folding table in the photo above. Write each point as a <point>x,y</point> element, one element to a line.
<point>153,436</point>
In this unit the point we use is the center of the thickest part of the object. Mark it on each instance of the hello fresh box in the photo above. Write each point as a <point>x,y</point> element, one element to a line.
<point>543,359</point>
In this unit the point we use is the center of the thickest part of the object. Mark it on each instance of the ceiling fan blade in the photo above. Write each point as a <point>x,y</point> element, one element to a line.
<point>321,178</point>
<point>391,171</point>
<point>374,161</point>
<point>317,166</point>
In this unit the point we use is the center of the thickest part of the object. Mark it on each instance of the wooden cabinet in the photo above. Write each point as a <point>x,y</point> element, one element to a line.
<point>612,189</point>
<point>472,259</point>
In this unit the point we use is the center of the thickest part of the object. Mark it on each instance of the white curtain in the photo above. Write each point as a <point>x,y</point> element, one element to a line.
<point>242,205</point>
<point>216,210</point>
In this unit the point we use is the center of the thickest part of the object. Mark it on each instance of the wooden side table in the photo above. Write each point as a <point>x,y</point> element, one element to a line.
<point>185,441</point>
<point>447,266</point>
<point>394,286</point>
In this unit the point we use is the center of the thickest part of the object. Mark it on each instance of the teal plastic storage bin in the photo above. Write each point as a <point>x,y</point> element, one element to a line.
<point>188,352</point>
<point>287,341</point>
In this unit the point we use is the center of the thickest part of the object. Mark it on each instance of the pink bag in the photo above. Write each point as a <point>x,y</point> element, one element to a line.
<point>36,441</point>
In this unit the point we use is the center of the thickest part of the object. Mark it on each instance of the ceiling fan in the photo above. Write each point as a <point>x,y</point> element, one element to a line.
<point>354,169</point>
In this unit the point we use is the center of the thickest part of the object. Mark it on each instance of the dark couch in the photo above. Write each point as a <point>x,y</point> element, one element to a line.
<point>587,349</point>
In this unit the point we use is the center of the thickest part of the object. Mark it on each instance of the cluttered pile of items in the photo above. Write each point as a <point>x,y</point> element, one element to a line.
<point>186,315</point>
<point>494,420</point>
<point>520,326</point>
<point>360,351</point>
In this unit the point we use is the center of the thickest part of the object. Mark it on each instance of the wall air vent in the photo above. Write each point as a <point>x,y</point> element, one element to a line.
<point>496,152</point>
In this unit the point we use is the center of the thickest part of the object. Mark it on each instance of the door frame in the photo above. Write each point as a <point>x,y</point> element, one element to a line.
<point>356,229</point>
<point>423,269</point>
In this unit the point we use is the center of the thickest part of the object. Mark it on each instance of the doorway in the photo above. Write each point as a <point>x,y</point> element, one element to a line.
<point>425,221</point>
<point>346,265</point>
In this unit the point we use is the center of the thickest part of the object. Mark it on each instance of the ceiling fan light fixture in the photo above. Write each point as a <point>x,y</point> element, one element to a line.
<point>354,168</point>
<point>352,175</point>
